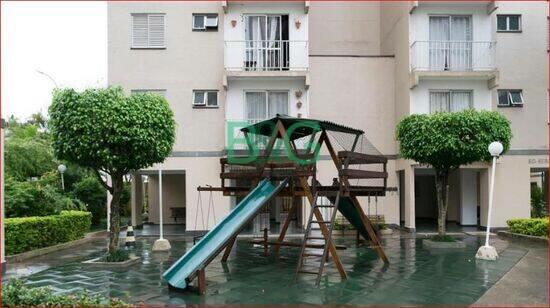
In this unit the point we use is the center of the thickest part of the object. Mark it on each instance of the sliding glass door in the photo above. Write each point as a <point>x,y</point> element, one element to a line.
<point>450,42</point>
<point>265,48</point>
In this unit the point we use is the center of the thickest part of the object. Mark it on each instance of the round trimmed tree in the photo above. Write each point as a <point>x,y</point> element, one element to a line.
<point>446,141</point>
<point>113,134</point>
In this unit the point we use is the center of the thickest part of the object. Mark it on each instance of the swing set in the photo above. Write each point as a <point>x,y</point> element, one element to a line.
<point>205,227</point>
<point>295,167</point>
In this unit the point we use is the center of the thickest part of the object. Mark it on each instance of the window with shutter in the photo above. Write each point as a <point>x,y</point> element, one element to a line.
<point>148,30</point>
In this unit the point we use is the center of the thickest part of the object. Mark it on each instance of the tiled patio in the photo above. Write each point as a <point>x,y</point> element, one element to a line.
<point>416,275</point>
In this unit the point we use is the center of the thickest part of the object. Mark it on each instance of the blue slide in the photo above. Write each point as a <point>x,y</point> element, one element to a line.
<point>213,241</point>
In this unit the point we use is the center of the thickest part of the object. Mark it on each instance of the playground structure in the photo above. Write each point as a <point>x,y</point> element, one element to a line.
<point>294,169</point>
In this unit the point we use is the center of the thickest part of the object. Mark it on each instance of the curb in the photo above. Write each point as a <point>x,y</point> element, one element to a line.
<point>45,250</point>
<point>531,238</point>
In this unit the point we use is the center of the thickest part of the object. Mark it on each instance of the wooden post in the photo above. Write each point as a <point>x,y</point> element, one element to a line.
<point>201,277</point>
<point>365,220</point>
<point>228,248</point>
<point>285,227</point>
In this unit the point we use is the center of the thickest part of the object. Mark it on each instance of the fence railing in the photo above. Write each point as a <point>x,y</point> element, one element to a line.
<point>266,55</point>
<point>453,55</point>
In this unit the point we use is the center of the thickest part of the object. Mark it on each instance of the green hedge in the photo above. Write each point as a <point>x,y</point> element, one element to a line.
<point>28,233</point>
<point>529,226</point>
<point>16,294</point>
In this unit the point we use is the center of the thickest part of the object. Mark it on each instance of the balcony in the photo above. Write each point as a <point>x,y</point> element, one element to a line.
<point>453,59</point>
<point>489,5</point>
<point>266,58</point>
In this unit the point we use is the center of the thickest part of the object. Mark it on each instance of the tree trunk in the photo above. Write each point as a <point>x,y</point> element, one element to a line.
<point>114,230</point>
<point>442,188</point>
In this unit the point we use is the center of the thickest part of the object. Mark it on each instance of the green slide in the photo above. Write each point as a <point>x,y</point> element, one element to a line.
<point>347,209</point>
<point>213,241</point>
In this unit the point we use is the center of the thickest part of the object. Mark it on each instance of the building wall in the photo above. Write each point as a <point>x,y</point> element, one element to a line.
<point>394,40</point>
<point>191,60</point>
<point>512,191</point>
<point>173,195</point>
<point>522,60</point>
<point>344,28</point>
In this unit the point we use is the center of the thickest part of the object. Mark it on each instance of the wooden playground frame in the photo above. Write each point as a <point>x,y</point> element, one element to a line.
<point>297,174</point>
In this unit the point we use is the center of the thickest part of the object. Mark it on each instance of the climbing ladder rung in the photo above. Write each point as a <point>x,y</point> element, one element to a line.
<point>308,272</point>
<point>321,221</point>
<point>309,254</point>
<point>315,238</point>
<point>322,205</point>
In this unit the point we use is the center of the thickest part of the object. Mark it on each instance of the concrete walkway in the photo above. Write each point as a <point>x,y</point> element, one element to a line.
<point>525,284</point>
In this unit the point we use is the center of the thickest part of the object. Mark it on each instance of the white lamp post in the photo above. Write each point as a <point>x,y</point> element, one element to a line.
<point>487,252</point>
<point>161,244</point>
<point>62,168</point>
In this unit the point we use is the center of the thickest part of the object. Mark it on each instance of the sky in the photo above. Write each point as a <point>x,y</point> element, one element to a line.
<point>65,40</point>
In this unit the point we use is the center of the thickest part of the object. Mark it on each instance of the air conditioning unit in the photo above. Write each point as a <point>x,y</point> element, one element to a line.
<point>211,22</point>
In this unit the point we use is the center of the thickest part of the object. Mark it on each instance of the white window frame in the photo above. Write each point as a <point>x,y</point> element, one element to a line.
<point>510,102</point>
<point>205,99</point>
<point>450,92</point>
<point>507,16</point>
<point>245,117</point>
<point>205,17</point>
<point>148,46</point>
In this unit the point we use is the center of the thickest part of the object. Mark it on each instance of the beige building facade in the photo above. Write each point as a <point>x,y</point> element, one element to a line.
<point>362,64</point>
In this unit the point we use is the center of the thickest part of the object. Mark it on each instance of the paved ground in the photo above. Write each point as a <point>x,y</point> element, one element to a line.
<point>416,276</point>
<point>526,283</point>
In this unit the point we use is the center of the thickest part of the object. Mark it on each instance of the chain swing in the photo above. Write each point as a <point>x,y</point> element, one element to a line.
<point>210,206</point>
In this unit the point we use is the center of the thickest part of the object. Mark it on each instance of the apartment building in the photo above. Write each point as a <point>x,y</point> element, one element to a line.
<point>363,64</point>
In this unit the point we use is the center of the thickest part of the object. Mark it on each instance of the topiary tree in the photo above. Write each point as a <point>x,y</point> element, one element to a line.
<point>111,133</point>
<point>447,141</point>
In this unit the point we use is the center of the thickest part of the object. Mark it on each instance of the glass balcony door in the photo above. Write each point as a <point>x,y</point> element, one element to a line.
<point>266,43</point>
<point>450,46</point>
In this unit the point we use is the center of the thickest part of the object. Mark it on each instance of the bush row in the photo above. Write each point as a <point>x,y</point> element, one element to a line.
<point>529,226</point>
<point>28,233</point>
<point>16,294</point>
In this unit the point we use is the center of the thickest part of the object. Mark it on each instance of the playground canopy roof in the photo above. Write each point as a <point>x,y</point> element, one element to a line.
<point>300,127</point>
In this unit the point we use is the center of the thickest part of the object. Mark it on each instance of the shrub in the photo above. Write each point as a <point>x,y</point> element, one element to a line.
<point>28,152</point>
<point>118,255</point>
<point>28,233</point>
<point>28,199</point>
<point>90,191</point>
<point>16,294</point>
<point>538,205</point>
<point>529,226</point>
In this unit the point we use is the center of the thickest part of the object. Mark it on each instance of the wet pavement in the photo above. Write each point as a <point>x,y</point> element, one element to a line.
<point>415,276</point>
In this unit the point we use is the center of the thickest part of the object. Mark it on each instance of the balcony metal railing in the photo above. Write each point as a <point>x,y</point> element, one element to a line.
<point>453,55</point>
<point>266,55</point>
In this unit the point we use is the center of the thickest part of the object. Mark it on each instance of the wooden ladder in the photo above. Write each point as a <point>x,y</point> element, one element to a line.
<point>327,240</point>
